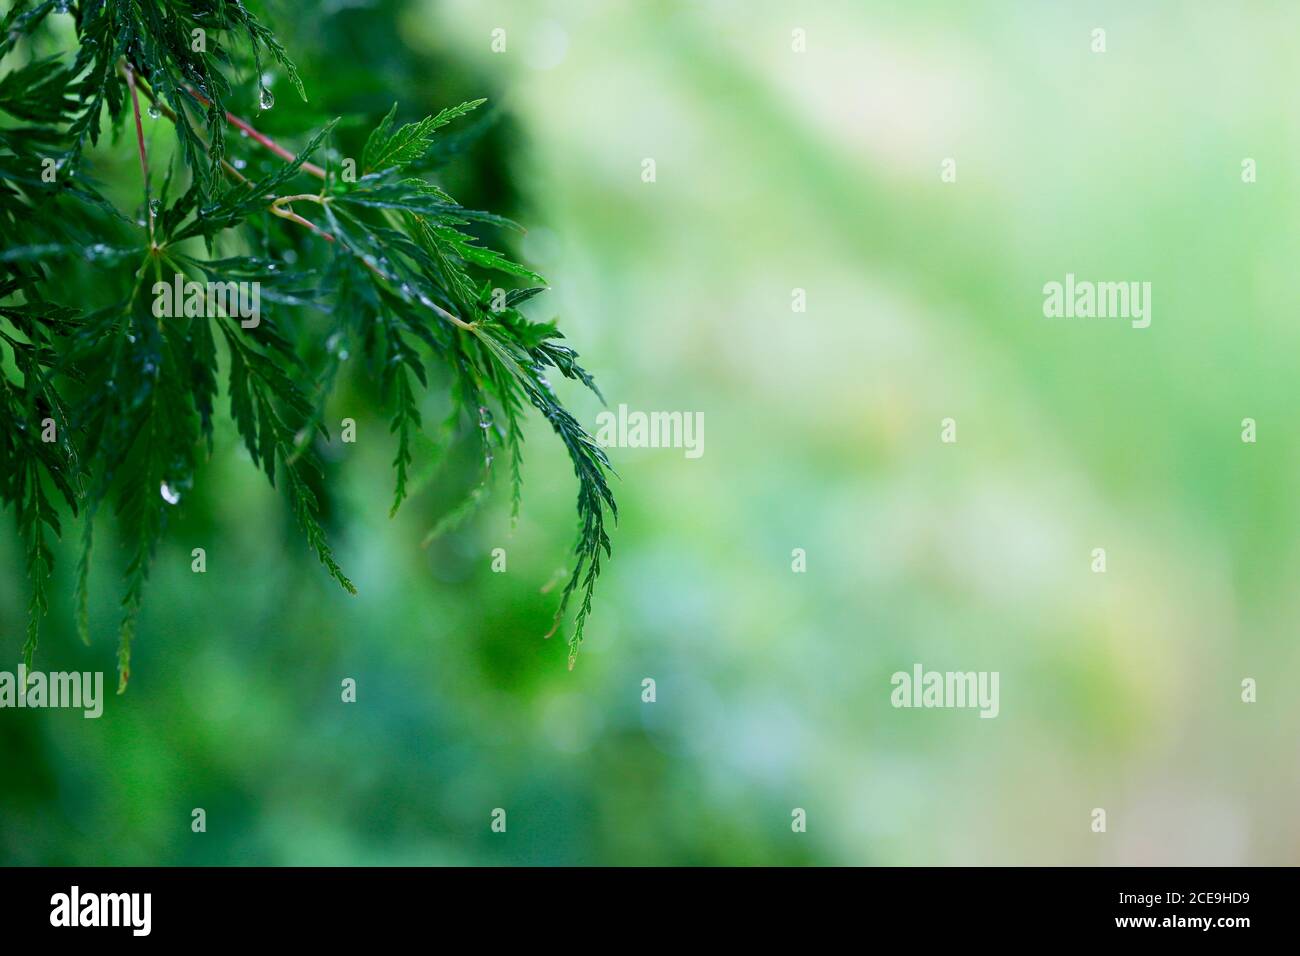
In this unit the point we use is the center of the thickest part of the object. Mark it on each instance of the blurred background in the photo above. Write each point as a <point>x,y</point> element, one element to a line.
<point>776,170</point>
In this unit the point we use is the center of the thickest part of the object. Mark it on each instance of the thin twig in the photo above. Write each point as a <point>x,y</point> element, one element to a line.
<point>278,206</point>
<point>139,139</point>
<point>246,127</point>
<point>168,112</point>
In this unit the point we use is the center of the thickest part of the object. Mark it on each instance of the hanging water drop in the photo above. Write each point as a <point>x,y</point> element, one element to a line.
<point>484,417</point>
<point>154,111</point>
<point>169,494</point>
<point>266,98</point>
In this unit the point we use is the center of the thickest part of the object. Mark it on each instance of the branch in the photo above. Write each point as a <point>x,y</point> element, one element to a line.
<point>262,138</point>
<point>278,206</point>
<point>139,139</point>
<point>168,112</point>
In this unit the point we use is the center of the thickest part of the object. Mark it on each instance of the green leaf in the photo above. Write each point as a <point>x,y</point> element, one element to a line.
<point>386,149</point>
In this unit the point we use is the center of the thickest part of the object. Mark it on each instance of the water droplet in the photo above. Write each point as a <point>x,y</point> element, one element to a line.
<point>155,205</point>
<point>343,355</point>
<point>484,417</point>
<point>154,111</point>
<point>238,163</point>
<point>266,98</point>
<point>169,494</point>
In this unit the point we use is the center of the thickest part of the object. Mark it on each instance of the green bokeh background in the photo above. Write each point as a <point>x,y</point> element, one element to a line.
<point>776,170</point>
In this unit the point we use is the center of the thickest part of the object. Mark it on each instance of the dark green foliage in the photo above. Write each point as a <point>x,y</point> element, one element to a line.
<point>130,398</point>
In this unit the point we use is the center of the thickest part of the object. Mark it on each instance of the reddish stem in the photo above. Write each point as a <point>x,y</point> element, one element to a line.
<point>139,139</point>
<point>281,210</point>
<point>262,138</point>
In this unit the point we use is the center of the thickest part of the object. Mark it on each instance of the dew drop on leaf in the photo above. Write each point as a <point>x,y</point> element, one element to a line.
<point>266,98</point>
<point>169,494</point>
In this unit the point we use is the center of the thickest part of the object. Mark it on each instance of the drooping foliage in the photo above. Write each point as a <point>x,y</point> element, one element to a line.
<point>108,406</point>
